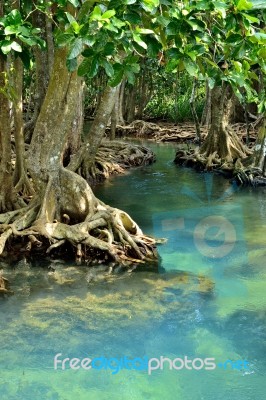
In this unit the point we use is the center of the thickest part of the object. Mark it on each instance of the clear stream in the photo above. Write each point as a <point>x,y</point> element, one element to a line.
<point>206,299</point>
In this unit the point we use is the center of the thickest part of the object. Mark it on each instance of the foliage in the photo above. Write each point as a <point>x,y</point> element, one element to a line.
<point>218,41</point>
<point>16,34</point>
<point>171,95</point>
<point>213,41</point>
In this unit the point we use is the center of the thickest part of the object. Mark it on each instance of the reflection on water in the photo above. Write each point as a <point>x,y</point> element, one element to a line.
<point>184,308</point>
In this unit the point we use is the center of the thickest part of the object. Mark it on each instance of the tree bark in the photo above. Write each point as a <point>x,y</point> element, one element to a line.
<point>131,104</point>
<point>20,178</point>
<point>221,142</point>
<point>43,62</point>
<point>206,114</point>
<point>7,193</point>
<point>86,155</point>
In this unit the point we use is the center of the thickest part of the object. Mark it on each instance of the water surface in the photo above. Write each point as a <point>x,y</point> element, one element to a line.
<point>191,305</point>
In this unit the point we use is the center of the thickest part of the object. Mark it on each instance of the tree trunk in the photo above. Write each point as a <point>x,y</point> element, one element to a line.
<point>131,104</point>
<point>7,193</point>
<point>206,114</point>
<point>20,179</point>
<point>119,103</point>
<point>113,124</point>
<point>222,144</point>
<point>64,209</point>
<point>43,63</point>
<point>86,155</point>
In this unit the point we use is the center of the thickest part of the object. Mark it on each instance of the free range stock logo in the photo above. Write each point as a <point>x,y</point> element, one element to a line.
<point>147,364</point>
<point>209,237</point>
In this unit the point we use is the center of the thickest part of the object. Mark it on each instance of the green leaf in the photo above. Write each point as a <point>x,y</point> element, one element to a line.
<point>111,27</point>
<point>72,64</point>
<point>108,14</point>
<point>173,28</point>
<point>172,64</point>
<point>234,38</point>
<point>75,49</point>
<point>144,31</point>
<point>221,7</point>
<point>243,5</point>
<point>76,27</point>
<point>108,68</point>
<point>108,49</point>
<point>251,18</point>
<point>85,9</point>
<point>195,24</point>
<point>16,46</point>
<point>192,55</point>
<point>258,4</point>
<point>70,18</point>
<point>261,36</point>
<point>27,40</point>
<point>10,30</point>
<point>138,40</point>
<point>23,30</point>
<point>238,66</point>
<point>153,47</point>
<point>15,17</point>
<point>135,68</point>
<point>130,77</point>
<point>84,67</point>
<point>74,2</point>
<point>191,67</point>
<point>173,53</point>
<point>211,83</point>
<point>202,5</point>
<point>262,53</point>
<point>149,5</point>
<point>94,67</point>
<point>88,52</point>
<point>63,39</point>
<point>6,46</point>
<point>118,75</point>
<point>133,18</point>
<point>96,14</point>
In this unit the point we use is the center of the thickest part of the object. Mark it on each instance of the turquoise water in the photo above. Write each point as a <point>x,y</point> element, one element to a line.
<point>206,299</point>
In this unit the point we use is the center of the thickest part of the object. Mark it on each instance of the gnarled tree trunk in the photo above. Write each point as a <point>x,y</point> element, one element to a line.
<point>222,143</point>
<point>43,63</point>
<point>222,148</point>
<point>7,193</point>
<point>64,209</point>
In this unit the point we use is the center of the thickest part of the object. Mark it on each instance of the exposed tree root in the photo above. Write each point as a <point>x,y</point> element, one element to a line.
<point>222,151</point>
<point>114,157</point>
<point>255,172</point>
<point>24,186</point>
<point>179,133</point>
<point>250,177</point>
<point>84,223</point>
